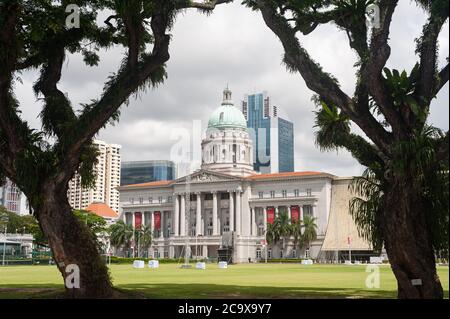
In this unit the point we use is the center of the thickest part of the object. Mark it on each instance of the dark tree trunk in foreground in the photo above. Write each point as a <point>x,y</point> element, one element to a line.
<point>72,244</point>
<point>408,243</point>
<point>406,209</point>
<point>34,34</point>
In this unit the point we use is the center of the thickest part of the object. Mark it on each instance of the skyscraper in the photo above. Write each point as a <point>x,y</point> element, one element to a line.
<point>137,172</point>
<point>107,180</point>
<point>10,196</point>
<point>273,137</point>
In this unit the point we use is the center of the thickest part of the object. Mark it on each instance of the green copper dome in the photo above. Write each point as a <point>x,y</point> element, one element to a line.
<point>227,116</point>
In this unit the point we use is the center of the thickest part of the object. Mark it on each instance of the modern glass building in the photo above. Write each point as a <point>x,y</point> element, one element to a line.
<point>138,172</point>
<point>273,137</point>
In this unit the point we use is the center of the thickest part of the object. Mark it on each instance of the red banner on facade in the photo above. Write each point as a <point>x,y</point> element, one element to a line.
<point>295,213</point>
<point>137,220</point>
<point>270,215</point>
<point>157,218</point>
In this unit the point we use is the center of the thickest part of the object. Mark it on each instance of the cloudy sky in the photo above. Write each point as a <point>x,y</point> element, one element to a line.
<point>233,46</point>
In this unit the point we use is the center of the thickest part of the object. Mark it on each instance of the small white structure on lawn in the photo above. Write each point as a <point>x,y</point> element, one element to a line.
<point>223,265</point>
<point>153,264</point>
<point>200,265</point>
<point>138,264</point>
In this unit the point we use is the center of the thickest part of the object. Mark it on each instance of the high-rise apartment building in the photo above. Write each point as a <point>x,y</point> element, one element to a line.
<point>273,137</point>
<point>107,180</point>
<point>10,196</point>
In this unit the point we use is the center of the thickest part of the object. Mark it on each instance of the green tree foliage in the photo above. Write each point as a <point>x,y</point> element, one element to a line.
<point>121,234</point>
<point>309,230</point>
<point>402,199</point>
<point>35,36</point>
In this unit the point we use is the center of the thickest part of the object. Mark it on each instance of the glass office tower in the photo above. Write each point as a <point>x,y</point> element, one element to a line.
<point>273,137</point>
<point>139,172</point>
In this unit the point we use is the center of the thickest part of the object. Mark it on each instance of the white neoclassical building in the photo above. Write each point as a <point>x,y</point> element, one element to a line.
<point>227,205</point>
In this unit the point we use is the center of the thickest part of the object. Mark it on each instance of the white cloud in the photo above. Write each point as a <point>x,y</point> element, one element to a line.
<point>234,46</point>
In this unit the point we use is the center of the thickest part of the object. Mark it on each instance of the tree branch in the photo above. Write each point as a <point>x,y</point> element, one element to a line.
<point>208,5</point>
<point>427,49</point>
<point>318,81</point>
<point>10,123</point>
<point>380,52</point>
<point>119,89</point>
<point>442,79</point>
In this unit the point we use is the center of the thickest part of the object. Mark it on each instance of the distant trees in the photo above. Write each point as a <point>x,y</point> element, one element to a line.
<point>120,235</point>
<point>28,224</point>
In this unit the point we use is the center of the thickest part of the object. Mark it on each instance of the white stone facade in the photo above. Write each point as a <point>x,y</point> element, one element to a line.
<point>227,199</point>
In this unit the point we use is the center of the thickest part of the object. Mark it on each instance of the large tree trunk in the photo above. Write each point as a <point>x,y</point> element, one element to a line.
<point>72,244</point>
<point>408,242</point>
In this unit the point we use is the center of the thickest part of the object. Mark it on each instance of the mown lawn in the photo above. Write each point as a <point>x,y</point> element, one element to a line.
<point>238,281</point>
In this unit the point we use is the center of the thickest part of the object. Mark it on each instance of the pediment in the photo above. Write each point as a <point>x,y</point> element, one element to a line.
<point>204,176</point>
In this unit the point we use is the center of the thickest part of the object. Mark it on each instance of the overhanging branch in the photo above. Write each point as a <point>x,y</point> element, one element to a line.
<point>318,81</point>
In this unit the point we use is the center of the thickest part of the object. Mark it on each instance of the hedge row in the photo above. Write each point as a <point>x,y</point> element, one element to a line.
<point>123,260</point>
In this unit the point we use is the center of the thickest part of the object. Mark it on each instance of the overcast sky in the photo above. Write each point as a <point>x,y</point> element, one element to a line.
<point>234,46</point>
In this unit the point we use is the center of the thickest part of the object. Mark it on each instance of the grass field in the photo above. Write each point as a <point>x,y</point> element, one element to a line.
<point>238,281</point>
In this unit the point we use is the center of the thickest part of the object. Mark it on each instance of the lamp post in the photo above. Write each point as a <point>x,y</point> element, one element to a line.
<point>4,249</point>
<point>5,220</point>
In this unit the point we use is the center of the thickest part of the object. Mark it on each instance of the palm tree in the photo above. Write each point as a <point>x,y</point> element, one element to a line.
<point>144,238</point>
<point>284,226</point>
<point>309,230</point>
<point>121,234</point>
<point>272,234</point>
<point>296,232</point>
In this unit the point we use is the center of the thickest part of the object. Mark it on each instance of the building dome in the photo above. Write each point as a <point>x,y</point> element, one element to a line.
<point>227,116</point>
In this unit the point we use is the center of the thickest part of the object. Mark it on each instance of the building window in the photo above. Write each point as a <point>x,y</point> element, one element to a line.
<point>258,253</point>
<point>221,117</point>
<point>272,194</point>
<point>156,254</point>
<point>269,254</point>
<point>132,200</point>
<point>308,192</point>
<point>150,200</point>
<point>294,253</point>
<point>296,192</point>
<point>281,253</point>
<point>307,210</point>
<point>160,199</point>
<point>284,193</point>
<point>261,230</point>
<point>307,253</point>
<point>141,200</point>
<point>169,199</point>
<point>261,194</point>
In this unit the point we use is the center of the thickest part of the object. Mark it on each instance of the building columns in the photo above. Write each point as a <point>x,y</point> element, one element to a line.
<point>161,225</point>
<point>183,216</point>
<point>238,213</point>
<point>152,222</point>
<point>254,225</point>
<point>231,211</point>
<point>215,228</point>
<point>198,216</point>
<point>265,219</point>
<point>176,216</point>
<point>133,219</point>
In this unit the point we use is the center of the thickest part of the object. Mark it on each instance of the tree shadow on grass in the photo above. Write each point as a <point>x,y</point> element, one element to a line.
<point>201,291</point>
<point>218,291</point>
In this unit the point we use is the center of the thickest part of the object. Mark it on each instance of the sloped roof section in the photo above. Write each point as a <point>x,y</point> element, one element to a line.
<point>102,210</point>
<point>285,175</point>
<point>149,184</point>
<point>341,226</point>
